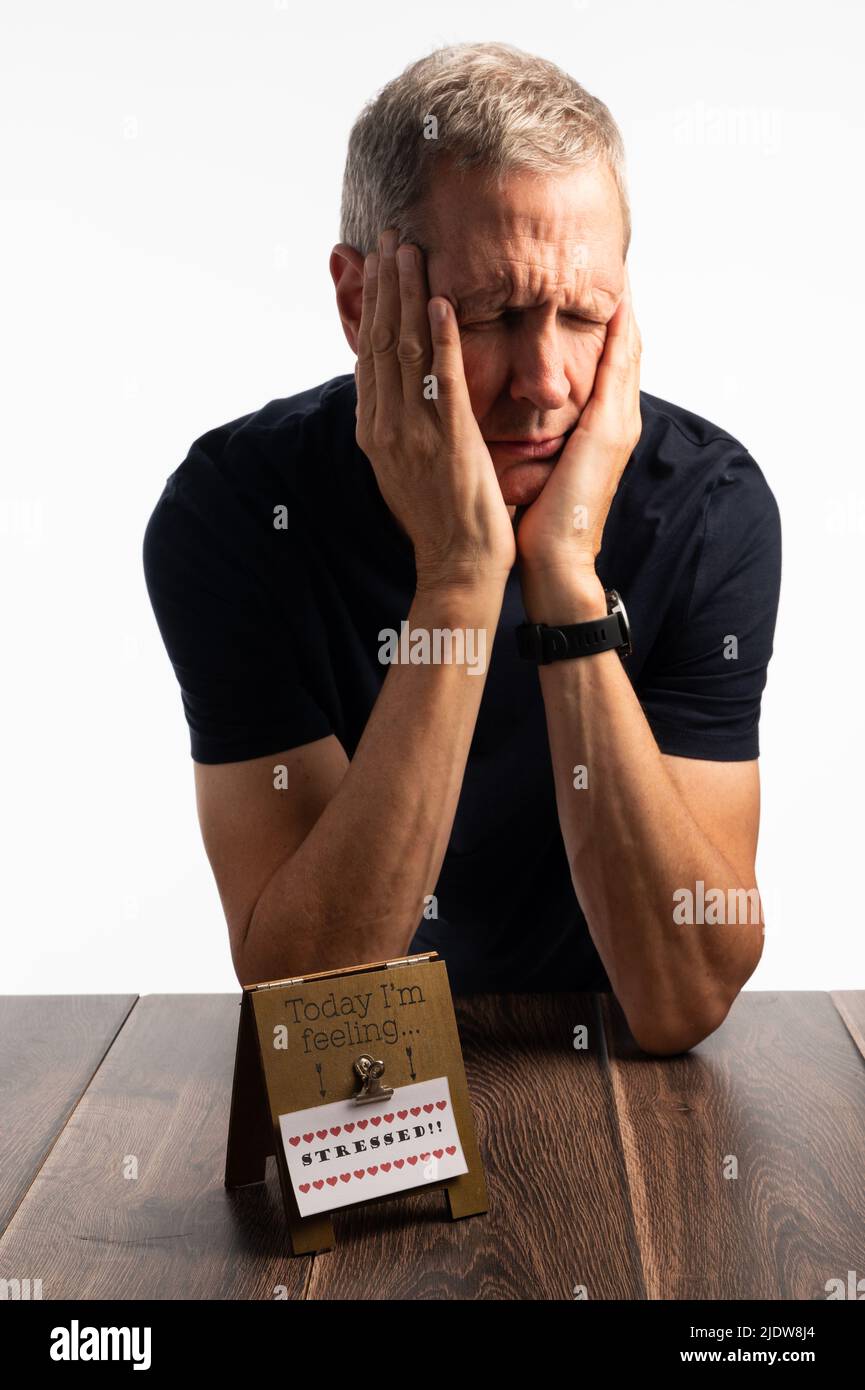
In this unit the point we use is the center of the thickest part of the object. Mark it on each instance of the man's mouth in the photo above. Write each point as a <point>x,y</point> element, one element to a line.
<point>542,448</point>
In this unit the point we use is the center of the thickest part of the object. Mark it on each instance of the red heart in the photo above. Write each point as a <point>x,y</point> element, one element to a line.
<point>335,1130</point>
<point>345,1177</point>
<point>451,1149</point>
<point>331,1182</point>
<point>402,1114</point>
<point>424,1157</point>
<point>398,1162</point>
<point>437,1153</point>
<point>295,1141</point>
<point>389,1117</point>
<point>358,1172</point>
<point>362,1124</point>
<point>385,1167</point>
<point>441,1105</point>
<point>322,1133</point>
<point>372,1170</point>
<point>415,1110</point>
<point>375,1119</point>
<point>304,1187</point>
<point>319,1184</point>
<point>348,1128</point>
<point>428,1108</point>
<point>308,1138</point>
<point>412,1160</point>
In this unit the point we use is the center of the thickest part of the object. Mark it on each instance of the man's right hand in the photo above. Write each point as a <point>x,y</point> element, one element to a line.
<point>432,465</point>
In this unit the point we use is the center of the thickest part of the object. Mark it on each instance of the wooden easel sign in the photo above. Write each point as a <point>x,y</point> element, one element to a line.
<point>354,1079</point>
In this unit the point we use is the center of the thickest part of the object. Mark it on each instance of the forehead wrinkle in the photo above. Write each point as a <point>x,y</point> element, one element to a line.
<point>578,295</point>
<point>545,278</point>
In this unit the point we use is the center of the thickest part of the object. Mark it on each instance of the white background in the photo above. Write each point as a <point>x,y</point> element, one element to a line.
<point>170,183</point>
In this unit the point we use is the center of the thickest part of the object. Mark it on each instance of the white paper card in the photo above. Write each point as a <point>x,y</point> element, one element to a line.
<point>343,1153</point>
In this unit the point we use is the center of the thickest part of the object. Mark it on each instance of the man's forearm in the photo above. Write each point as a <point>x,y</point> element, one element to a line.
<point>354,890</point>
<point>632,842</point>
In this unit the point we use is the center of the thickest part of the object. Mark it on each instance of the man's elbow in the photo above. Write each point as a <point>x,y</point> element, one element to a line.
<point>664,1035</point>
<point>667,1038</point>
<point>671,1040</point>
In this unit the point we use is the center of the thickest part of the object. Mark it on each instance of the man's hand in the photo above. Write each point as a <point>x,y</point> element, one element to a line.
<point>415,424</point>
<point>559,535</point>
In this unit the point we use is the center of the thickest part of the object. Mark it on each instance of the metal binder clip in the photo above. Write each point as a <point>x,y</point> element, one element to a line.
<point>369,1072</point>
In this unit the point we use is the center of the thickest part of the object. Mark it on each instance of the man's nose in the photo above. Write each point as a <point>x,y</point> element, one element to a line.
<point>537,367</point>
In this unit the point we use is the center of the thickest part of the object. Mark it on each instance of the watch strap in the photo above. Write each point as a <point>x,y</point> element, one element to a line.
<point>543,644</point>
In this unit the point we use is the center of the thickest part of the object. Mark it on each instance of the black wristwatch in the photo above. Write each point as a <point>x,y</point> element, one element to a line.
<point>543,644</point>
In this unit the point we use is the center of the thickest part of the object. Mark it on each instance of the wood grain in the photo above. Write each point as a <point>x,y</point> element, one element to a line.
<point>559,1212</point>
<point>50,1046</point>
<point>780,1087</point>
<point>850,1004</point>
<point>174,1232</point>
<point>604,1166</point>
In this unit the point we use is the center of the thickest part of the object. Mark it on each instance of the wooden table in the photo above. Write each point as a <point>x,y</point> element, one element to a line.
<point>605,1167</point>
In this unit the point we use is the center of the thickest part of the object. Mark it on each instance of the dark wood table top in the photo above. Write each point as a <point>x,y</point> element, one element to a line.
<point>732,1171</point>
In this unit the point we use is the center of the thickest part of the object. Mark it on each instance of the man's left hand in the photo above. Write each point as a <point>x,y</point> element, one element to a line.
<point>560,534</point>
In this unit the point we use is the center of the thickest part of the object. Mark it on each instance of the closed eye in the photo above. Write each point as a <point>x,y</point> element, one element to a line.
<point>581,319</point>
<point>511,316</point>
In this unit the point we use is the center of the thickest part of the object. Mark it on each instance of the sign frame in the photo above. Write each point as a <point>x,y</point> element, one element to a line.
<point>265,1087</point>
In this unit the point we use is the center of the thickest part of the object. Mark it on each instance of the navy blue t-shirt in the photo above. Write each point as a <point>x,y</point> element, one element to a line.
<point>273,635</point>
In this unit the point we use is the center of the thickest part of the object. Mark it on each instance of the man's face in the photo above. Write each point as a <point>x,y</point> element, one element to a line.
<point>534,270</point>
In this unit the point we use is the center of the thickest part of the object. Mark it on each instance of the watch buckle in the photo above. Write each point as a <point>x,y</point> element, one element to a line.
<point>555,644</point>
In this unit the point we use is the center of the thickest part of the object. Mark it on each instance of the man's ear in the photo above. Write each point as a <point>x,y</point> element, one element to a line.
<point>346,269</point>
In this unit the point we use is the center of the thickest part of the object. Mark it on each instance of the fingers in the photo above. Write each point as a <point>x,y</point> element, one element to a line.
<point>414,350</point>
<point>364,371</point>
<point>452,399</point>
<point>384,333</point>
<point>401,342</point>
<point>635,340</point>
<point>617,379</point>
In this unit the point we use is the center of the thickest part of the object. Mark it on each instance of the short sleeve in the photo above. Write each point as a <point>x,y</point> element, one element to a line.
<point>702,685</point>
<point>229,641</point>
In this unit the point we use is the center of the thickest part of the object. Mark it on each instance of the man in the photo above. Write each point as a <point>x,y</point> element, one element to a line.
<point>381,765</point>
